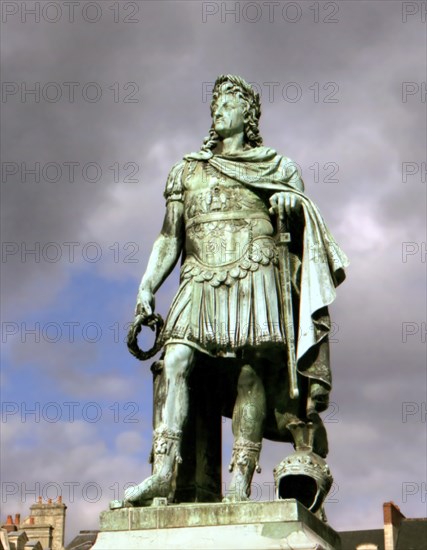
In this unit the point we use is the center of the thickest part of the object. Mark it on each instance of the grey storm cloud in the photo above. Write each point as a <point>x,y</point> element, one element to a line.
<point>345,95</point>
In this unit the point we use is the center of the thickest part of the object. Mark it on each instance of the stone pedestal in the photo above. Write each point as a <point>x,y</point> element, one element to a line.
<point>284,524</point>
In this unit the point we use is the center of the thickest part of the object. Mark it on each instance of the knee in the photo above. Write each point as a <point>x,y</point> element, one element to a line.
<point>178,360</point>
<point>248,378</point>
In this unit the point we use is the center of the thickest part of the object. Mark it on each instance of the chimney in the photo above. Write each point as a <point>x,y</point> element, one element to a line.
<point>17,519</point>
<point>392,520</point>
<point>9,525</point>
<point>51,515</point>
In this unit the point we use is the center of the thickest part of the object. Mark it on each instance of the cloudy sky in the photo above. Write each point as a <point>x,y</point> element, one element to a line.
<point>99,100</point>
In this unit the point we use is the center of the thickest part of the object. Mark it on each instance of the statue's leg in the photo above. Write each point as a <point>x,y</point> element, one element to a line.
<point>247,424</point>
<point>178,361</point>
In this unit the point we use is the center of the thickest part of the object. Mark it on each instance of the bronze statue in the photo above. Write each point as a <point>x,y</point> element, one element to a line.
<point>259,269</point>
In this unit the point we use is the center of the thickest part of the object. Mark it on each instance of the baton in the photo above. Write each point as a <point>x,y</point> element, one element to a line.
<point>284,238</point>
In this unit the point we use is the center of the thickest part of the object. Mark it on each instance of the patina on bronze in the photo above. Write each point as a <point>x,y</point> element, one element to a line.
<point>251,308</point>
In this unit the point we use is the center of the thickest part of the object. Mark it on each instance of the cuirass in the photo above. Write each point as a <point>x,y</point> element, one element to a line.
<point>226,223</point>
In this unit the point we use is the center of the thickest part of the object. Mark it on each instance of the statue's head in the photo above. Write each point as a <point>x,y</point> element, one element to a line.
<point>238,89</point>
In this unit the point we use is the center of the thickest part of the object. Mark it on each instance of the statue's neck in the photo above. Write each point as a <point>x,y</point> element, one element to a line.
<point>232,144</point>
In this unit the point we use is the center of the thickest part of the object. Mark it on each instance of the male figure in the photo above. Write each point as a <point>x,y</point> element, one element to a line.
<point>221,206</point>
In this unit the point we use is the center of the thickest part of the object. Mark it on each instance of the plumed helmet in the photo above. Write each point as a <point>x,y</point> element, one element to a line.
<point>305,476</point>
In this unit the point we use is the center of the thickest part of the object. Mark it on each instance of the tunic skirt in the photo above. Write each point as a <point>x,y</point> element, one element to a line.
<point>221,310</point>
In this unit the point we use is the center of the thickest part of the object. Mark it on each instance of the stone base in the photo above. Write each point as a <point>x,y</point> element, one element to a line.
<point>284,524</point>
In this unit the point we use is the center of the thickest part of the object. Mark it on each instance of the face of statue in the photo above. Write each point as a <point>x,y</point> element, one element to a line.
<point>228,115</point>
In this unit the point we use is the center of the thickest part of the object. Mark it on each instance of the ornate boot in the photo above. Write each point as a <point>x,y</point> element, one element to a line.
<point>165,458</point>
<point>244,461</point>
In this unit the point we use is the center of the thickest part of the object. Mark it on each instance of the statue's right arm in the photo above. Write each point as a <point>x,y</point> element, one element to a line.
<point>166,251</point>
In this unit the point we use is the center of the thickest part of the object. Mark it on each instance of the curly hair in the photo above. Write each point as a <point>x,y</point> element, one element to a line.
<point>252,110</point>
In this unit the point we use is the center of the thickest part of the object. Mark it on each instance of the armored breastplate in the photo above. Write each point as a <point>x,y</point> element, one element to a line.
<point>226,201</point>
<point>227,225</point>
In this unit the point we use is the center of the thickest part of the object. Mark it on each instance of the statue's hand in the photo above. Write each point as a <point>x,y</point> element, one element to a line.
<point>285,204</point>
<point>144,316</point>
<point>144,311</point>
